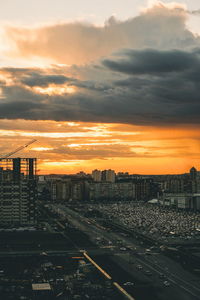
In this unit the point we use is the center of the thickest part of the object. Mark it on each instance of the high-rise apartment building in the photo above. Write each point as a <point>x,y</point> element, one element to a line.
<point>96,175</point>
<point>18,191</point>
<point>193,173</point>
<point>105,175</point>
<point>60,189</point>
<point>108,175</point>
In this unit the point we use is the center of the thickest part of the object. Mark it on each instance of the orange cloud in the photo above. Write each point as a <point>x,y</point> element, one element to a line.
<point>68,147</point>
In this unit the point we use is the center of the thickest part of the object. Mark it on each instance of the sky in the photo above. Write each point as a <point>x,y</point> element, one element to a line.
<point>101,84</point>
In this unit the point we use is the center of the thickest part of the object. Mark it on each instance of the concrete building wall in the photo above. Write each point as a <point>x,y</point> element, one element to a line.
<point>107,191</point>
<point>18,191</point>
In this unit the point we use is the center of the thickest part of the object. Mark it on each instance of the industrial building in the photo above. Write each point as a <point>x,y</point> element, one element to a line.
<point>181,200</point>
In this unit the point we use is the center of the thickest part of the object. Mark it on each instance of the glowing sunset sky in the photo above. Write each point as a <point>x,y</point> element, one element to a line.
<point>101,84</point>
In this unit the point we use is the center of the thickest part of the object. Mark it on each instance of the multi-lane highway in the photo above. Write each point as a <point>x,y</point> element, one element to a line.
<point>167,277</point>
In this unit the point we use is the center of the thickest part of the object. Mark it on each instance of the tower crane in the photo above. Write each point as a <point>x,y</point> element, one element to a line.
<point>18,149</point>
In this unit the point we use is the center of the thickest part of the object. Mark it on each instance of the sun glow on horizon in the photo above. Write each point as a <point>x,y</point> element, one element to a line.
<point>55,90</point>
<point>41,149</point>
<point>62,163</point>
<point>69,147</point>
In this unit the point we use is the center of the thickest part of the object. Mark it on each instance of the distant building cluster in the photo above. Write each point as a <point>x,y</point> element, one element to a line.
<point>179,191</point>
<point>20,188</point>
<point>99,186</point>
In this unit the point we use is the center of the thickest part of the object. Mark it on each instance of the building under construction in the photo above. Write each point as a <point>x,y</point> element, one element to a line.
<point>18,191</point>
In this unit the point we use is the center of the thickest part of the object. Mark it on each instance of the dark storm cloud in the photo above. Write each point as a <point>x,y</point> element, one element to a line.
<point>44,80</point>
<point>38,79</point>
<point>15,93</point>
<point>91,85</point>
<point>35,77</point>
<point>16,71</point>
<point>155,81</point>
<point>152,61</point>
<point>18,110</point>
<point>148,91</point>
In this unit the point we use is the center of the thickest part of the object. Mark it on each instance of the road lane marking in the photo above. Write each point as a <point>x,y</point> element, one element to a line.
<point>128,296</point>
<point>123,291</point>
<point>97,266</point>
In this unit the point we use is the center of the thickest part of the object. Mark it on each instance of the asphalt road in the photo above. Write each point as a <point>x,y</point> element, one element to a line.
<point>182,284</point>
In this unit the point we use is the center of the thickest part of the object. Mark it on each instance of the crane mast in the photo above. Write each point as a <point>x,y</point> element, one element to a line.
<point>18,149</point>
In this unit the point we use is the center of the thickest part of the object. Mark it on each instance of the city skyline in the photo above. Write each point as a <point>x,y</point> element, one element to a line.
<point>110,86</point>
